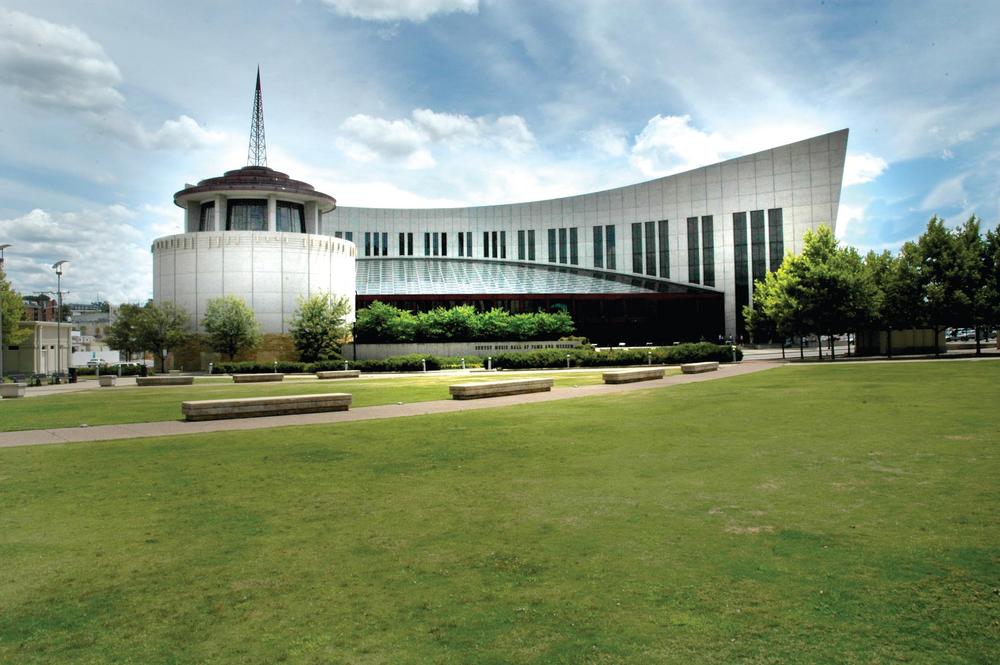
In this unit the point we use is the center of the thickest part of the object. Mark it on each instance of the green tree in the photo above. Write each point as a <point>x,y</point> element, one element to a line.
<point>991,260</point>
<point>937,270</point>
<point>124,333</point>
<point>319,326</point>
<point>230,326</point>
<point>163,327</point>
<point>375,323</point>
<point>973,296</point>
<point>12,305</point>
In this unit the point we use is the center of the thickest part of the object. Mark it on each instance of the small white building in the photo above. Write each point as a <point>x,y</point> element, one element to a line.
<point>42,352</point>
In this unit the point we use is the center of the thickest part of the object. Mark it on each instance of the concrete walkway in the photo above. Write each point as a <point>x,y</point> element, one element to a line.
<point>179,427</point>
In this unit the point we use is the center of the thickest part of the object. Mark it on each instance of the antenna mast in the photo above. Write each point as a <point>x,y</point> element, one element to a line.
<point>257,154</point>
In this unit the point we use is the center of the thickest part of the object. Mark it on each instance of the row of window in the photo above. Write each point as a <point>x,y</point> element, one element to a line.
<point>251,215</point>
<point>760,250</point>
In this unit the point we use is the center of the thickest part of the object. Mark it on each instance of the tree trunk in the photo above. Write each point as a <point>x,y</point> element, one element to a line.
<point>782,348</point>
<point>979,348</point>
<point>937,349</point>
<point>802,353</point>
<point>833,353</point>
<point>888,339</point>
<point>819,345</point>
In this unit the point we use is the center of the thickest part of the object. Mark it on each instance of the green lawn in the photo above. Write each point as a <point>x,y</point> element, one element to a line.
<point>814,514</point>
<point>111,406</point>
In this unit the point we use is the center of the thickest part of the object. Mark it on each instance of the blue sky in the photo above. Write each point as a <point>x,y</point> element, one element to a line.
<point>108,108</point>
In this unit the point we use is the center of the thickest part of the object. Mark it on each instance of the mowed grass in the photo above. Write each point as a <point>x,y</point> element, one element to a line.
<point>111,406</point>
<point>818,514</point>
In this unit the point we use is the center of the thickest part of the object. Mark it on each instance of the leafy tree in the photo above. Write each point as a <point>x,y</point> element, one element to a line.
<point>319,326</point>
<point>230,326</point>
<point>374,324</point>
<point>162,327</point>
<point>937,278</point>
<point>124,334</point>
<point>13,313</point>
<point>972,292</point>
<point>991,261</point>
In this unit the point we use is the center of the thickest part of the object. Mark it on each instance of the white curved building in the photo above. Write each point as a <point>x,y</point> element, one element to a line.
<point>252,233</point>
<point>672,259</point>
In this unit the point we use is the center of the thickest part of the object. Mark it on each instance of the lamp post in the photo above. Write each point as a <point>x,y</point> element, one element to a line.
<point>58,267</point>
<point>2,247</point>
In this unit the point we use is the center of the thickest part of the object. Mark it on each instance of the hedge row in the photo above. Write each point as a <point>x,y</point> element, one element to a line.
<point>664,355</point>
<point>583,357</point>
<point>127,370</point>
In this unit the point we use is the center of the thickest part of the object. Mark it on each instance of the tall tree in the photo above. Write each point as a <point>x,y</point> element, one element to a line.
<point>12,304</point>
<point>319,326</point>
<point>163,327</point>
<point>124,333</point>
<point>230,325</point>
<point>972,293</point>
<point>937,278</point>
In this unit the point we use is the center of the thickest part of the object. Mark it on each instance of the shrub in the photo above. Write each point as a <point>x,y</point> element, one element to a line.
<point>127,370</point>
<point>586,357</point>
<point>283,366</point>
<point>382,323</point>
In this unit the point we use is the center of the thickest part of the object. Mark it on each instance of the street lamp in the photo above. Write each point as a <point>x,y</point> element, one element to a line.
<point>2,247</point>
<point>58,267</point>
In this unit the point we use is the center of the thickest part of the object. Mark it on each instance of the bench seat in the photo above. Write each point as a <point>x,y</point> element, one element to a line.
<point>12,390</point>
<point>257,378</point>
<point>107,380</point>
<point>633,375</point>
<point>339,374</point>
<point>499,388</point>
<point>164,380</point>
<point>251,407</point>
<point>698,368</point>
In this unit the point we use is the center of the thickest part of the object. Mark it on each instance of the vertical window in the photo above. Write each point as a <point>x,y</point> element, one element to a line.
<point>503,244</point>
<point>531,245</point>
<point>574,246</point>
<point>494,238</point>
<point>290,217</point>
<point>758,248</point>
<point>349,236</point>
<point>520,245</point>
<point>663,233</point>
<point>486,244</point>
<point>461,244</point>
<point>409,244</point>
<point>651,248</point>
<point>385,244</point>
<point>206,222</point>
<point>368,243</point>
<point>776,237</point>
<point>708,250</point>
<point>375,242</point>
<point>402,244</point>
<point>246,215</point>
<point>562,245</point>
<point>598,246</point>
<point>609,247</point>
<point>694,269</point>
<point>552,245</point>
<point>740,272</point>
<point>434,244</point>
<point>637,247</point>
<point>427,244</point>
<point>468,243</point>
<point>444,244</point>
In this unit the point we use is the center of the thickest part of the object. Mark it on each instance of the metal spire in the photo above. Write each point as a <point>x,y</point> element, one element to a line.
<point>257,154</point>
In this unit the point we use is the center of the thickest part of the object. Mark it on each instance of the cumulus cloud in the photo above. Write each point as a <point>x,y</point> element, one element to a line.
<point>417,11</point>
<point>58,67</point>
<point>859,169</point>
<point>409,140</point>
<point>670,144</point>
<point>848,215</point>
<point>107,251</point>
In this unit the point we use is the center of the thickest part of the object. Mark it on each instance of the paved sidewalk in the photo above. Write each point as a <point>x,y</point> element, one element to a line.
<point>179,427</point>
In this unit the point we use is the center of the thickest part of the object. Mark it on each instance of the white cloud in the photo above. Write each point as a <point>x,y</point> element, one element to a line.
<point>669,144</point>
<point>56,66</point>
<point>848,215</point>
<point>108,254</point>
<point>59,67</point>
<point>608,140</point>
<point>417,11</point>
<point>409,140</point>
<point>859,169</point>
<point>946,194</point>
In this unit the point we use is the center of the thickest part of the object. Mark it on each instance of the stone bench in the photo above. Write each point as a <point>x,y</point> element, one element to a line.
<point>168,380</point>
<point>339,374</point>
<point>252,407</point>
<point>698,368</point>
<point>633,375</point>
<point>257,378</point>
<point>12,390</point>
<point>499,388</point>
<point>107,380</point>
